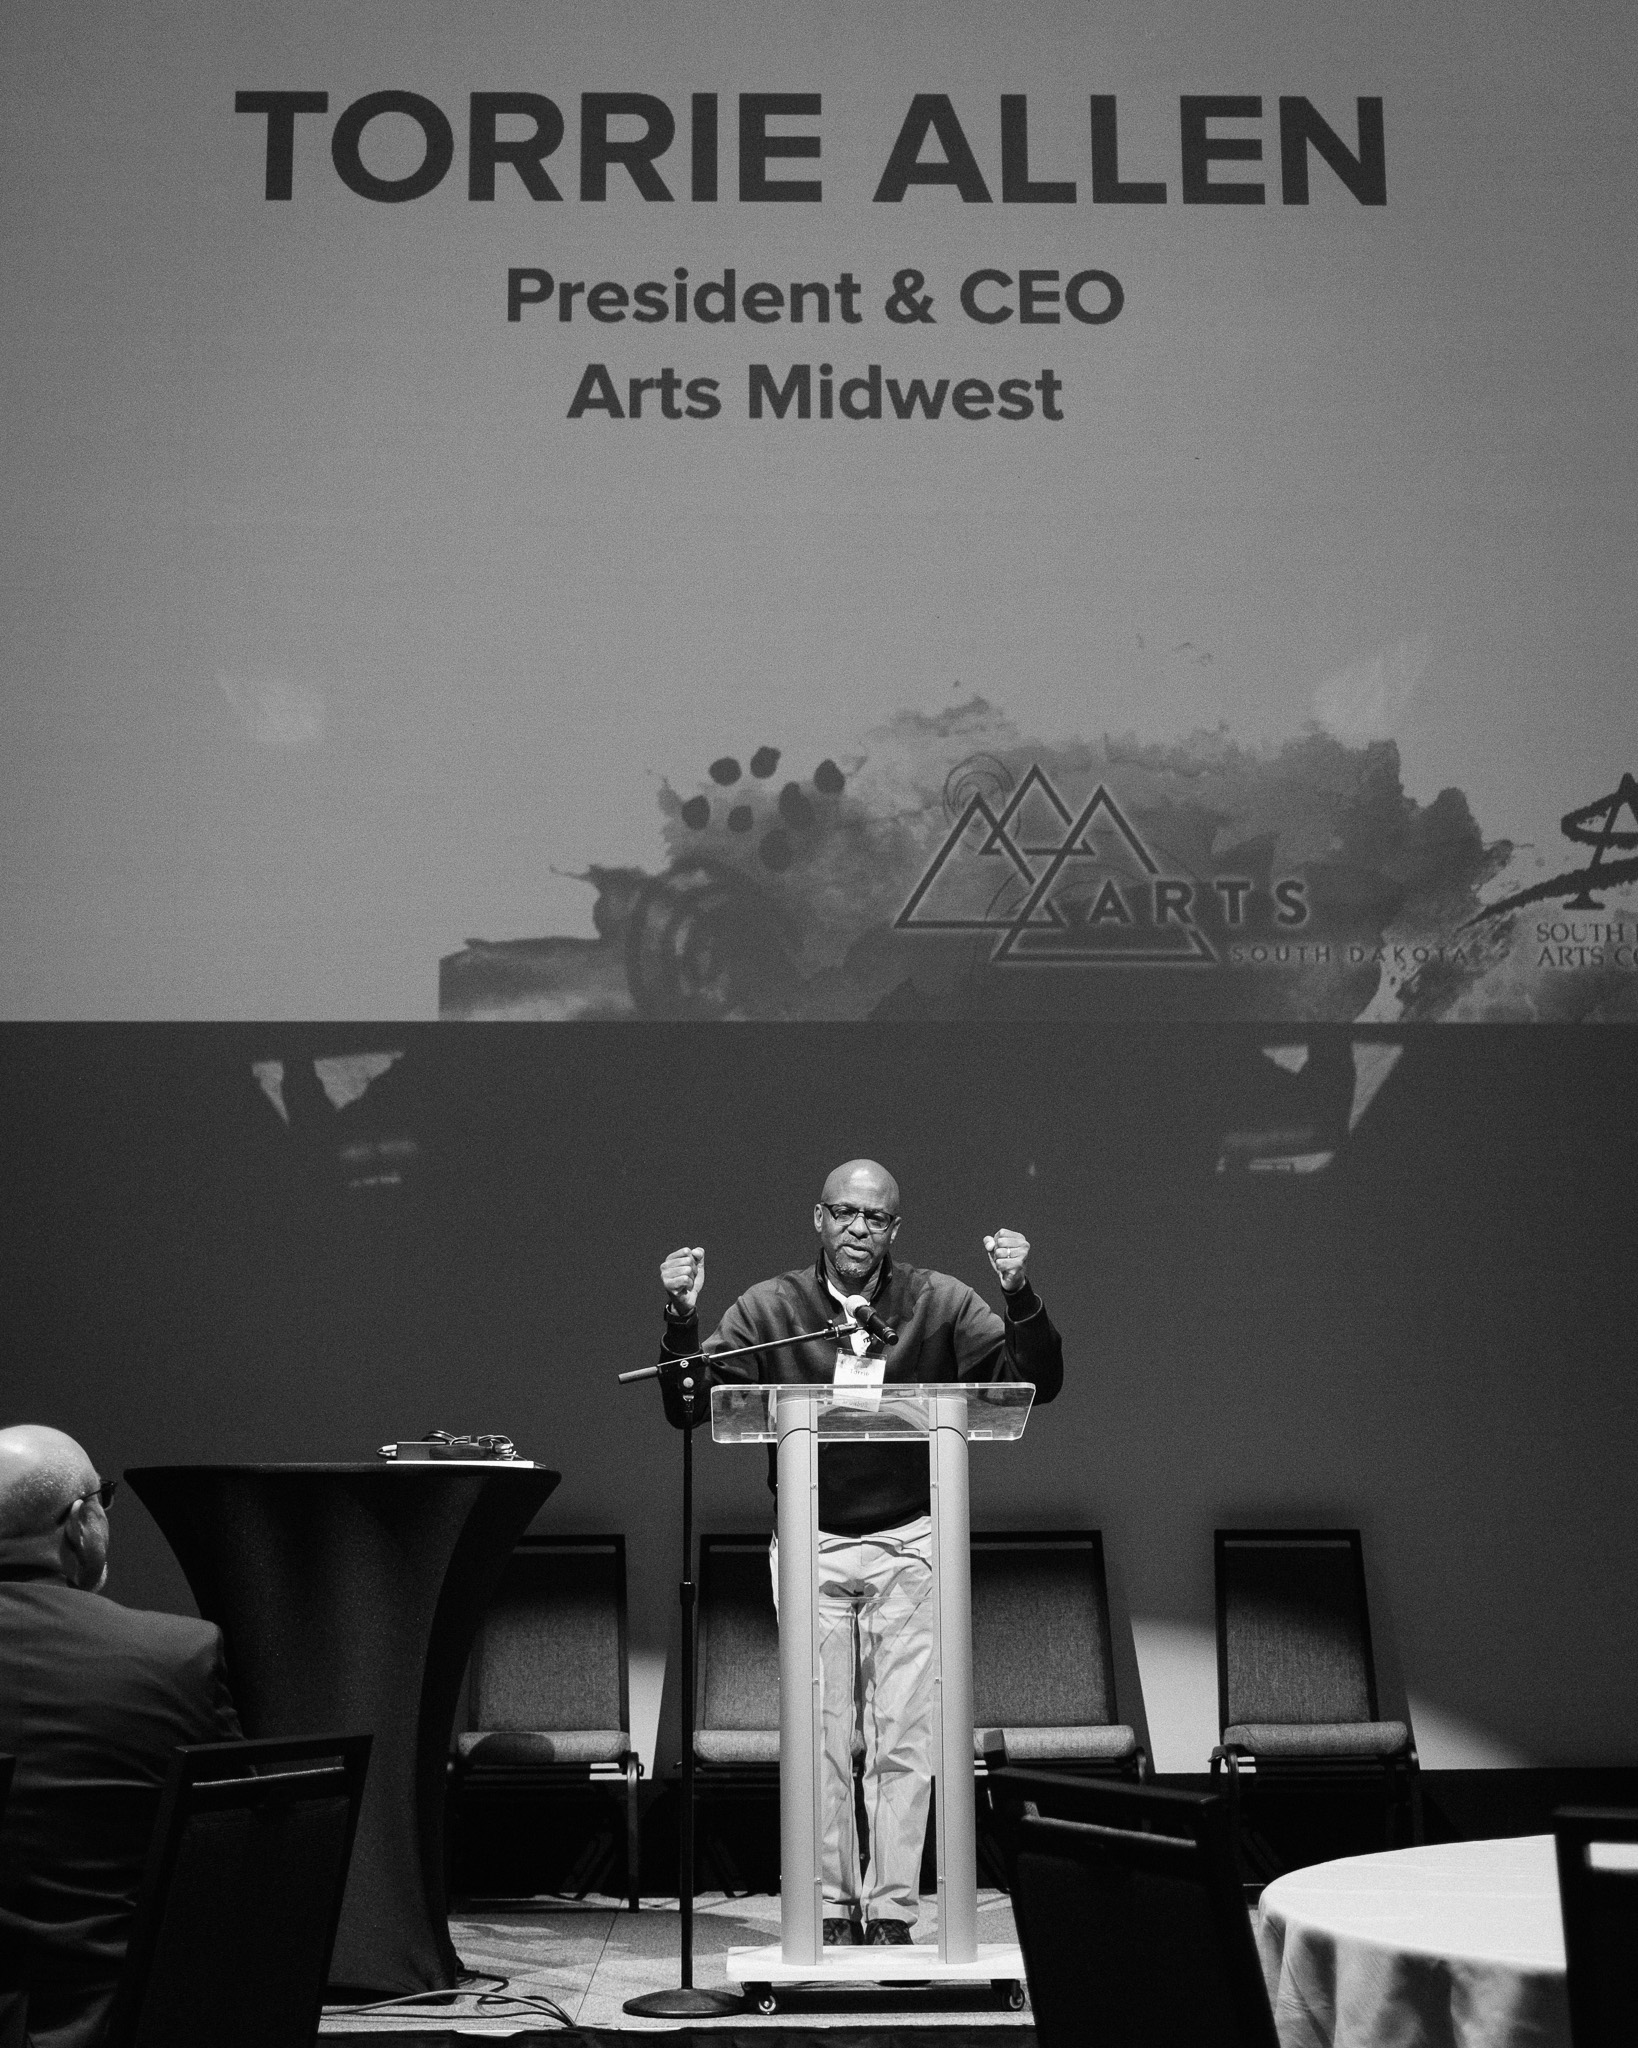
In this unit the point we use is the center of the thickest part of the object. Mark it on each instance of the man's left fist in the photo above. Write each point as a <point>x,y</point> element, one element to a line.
<point>1009,1255</point>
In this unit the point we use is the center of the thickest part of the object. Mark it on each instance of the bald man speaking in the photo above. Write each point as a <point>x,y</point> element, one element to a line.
<point>875,1540</point>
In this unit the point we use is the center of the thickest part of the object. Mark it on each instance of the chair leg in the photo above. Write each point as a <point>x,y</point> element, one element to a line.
<point>633,1839</point>
<point>592,1862</point>
<point>454,1815</point>
<point>733,1878</point>
<point>1256,1862</point>
<point>1397,1795</point>
<point>1236,1819</point>
<point>1221,1762</point>
<point>992,1869</point>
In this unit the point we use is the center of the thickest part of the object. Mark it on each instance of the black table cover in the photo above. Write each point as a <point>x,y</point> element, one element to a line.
<point>349,1596</point>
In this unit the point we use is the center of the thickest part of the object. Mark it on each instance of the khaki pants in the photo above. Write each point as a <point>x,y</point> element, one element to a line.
<point>876,1649</point>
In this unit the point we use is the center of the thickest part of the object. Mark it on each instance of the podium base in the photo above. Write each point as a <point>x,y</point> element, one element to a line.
<point>684,2003</point>
<point>763,1972</point>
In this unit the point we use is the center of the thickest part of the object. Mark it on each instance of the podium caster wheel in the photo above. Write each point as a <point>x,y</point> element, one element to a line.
<point>1013,1993</point>
<point>763,1999</point>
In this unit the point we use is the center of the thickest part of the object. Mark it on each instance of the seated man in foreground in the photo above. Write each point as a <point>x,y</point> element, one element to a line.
<point>875,1527</point>
<point>94,1701</point>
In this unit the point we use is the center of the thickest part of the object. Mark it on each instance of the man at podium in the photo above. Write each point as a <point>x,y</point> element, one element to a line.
<point>875,1529</point>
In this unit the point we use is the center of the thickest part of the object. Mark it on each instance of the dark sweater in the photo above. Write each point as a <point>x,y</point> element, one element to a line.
<point>945,1332</point>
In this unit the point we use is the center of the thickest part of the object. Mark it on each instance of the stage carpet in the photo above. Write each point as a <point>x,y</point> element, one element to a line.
<point>587,1959</point>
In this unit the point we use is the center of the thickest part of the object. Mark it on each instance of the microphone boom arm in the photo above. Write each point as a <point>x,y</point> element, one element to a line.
<point>834,1331</point>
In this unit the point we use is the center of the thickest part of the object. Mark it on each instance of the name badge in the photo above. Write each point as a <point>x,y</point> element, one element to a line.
<point>858,1381</point>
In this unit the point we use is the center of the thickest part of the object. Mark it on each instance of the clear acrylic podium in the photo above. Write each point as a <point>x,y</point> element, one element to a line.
<point>801,1420</point>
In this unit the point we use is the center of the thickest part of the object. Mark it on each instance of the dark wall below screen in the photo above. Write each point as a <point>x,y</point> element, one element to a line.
<point>1431,1338</point>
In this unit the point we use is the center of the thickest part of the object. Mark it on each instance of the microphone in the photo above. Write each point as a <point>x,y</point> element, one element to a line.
<point>871,1323</point>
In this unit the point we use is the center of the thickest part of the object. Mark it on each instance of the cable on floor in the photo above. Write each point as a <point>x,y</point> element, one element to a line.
<point>491,1995</point>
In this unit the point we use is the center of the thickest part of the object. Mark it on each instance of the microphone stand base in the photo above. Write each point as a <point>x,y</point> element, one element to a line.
<point>685,2003</point>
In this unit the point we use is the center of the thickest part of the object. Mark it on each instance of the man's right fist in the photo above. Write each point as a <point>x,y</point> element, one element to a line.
<point>683,1275</point>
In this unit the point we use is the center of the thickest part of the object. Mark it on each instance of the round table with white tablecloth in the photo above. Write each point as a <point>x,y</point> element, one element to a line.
<point>1455,1945</point>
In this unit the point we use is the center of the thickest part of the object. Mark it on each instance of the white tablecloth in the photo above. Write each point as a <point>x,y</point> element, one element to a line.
<point>1457,1945</point>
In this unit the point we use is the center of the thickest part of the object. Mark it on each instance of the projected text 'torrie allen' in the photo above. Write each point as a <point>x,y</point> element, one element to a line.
<point>634,135</point>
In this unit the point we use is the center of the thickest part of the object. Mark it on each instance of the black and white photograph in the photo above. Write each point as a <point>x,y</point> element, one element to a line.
<point>818,922</point>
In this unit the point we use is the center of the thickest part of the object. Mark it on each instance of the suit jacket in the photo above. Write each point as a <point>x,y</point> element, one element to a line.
<point>94,1700</point>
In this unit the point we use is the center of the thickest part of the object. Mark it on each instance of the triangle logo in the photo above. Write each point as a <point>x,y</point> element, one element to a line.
<point>1056,885</point>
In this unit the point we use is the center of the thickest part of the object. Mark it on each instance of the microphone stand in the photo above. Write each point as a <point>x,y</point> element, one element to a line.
<point>685,2001</point>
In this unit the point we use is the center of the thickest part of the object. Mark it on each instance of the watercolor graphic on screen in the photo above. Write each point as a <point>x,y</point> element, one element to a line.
<point>951,867</point>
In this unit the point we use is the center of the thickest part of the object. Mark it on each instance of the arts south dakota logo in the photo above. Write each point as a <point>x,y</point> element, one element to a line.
<point>1608,938</point>
<point>1607,825</point>
<point>1067,888</point>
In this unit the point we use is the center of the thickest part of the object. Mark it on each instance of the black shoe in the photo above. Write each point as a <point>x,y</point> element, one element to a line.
<point>888,1934</point>
<point>840,1931</point>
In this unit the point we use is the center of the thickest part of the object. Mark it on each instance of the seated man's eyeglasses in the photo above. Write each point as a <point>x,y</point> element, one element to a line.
<point>102,1494</point>
<point>845,1214</point>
